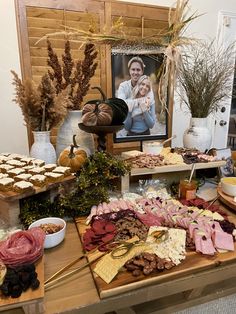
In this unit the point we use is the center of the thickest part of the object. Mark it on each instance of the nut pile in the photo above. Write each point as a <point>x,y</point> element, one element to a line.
<point>147,263</point>
<point>147,161</point>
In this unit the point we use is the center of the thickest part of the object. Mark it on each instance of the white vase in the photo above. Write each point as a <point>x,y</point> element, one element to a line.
<point>68,129</point>
<point>197,135</point>
<point>42,147</point>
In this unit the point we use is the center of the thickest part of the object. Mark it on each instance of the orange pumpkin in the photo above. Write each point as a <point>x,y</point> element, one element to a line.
<point>72,157</point>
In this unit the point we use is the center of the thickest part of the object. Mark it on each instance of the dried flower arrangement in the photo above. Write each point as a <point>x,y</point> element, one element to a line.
<point>42,107</point>
<point>205,77</point>
<point>73,75</point>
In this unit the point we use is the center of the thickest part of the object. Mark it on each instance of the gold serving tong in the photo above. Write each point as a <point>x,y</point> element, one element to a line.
<point>54,278</point>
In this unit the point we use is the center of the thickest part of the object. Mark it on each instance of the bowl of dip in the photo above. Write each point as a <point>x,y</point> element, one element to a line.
<point>228,185</point>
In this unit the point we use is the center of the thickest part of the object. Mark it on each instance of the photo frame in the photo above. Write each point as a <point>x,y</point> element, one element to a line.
<point>152,61</point>
<point>228,169</point>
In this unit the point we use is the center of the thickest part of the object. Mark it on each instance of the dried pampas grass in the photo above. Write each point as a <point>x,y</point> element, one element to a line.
<point>41,106</point>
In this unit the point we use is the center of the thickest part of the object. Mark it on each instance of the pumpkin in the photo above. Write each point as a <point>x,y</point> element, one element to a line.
<point>118,106</point>
<point>72,157</point>
<point>97,114</point>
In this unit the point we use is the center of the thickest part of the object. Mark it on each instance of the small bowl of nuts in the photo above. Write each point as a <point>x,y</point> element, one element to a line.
<point>54,228</point>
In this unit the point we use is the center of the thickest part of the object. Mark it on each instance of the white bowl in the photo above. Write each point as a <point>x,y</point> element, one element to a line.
<point>228,185</point>
<point>152,147</point>
<point>53,239</point>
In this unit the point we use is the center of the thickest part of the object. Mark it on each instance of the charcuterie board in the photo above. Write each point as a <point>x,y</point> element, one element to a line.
<point>28,297</point>
<point>125,281</point>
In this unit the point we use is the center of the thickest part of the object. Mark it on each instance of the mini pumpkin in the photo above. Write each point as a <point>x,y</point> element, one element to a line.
<point>72,157</point>
<point>104,111</point>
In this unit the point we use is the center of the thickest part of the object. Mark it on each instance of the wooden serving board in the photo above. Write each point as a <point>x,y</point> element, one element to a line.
<point>226,199</point>
<point>12,196</point>
<point>125,281</point>
<point>28,297</point>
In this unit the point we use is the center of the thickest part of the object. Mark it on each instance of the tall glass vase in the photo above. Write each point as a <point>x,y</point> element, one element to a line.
<point>198,135</point>
<point>42,147</point>
<point>70,128</point>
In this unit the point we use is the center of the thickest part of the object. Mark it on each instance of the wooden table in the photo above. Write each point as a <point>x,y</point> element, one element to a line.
<point>78,294</point>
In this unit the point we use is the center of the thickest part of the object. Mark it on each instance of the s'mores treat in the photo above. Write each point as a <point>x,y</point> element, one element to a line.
<point>63,170</point>
<point>49,167</point>
<point>23,177</point>
<point>15,172</point>
<point>39,180</point>
<point>38,162</point>
<point>54,176</point>
<point>6,184</point>
<point>4,168</point>
<point>4,175</point>
<point>36,170</point>
<point>16,163</point>
<point>23,186</point>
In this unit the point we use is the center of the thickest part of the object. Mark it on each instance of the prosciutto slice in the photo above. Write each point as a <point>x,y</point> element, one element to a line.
<point>22,247</point>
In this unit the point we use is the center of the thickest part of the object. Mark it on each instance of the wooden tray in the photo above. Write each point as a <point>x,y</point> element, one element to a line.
<point>124,281</point>
<point>28,297</point>
<point>226,199</point>
<point>12,196</point>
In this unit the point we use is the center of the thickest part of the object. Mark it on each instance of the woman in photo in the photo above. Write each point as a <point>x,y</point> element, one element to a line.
<point>141,116</point>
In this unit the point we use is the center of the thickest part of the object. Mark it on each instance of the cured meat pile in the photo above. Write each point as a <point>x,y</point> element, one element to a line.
<point>192,155</point>
<point>147,263</point>
<point>22,247</point>
<point>147,161</point>
<point>100,233</point>
<point>207,234</point>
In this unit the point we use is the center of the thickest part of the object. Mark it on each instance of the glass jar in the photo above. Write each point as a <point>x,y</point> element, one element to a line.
<point>187,190</point>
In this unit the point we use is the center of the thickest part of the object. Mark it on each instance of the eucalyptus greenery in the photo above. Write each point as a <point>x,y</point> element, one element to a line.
<point>205,77</point>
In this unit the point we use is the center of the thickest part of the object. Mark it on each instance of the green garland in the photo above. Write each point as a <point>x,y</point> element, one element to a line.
<point>93,183</point>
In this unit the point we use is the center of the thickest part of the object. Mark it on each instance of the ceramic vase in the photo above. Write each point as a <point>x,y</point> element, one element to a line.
<point>198,135</point>
<point>68,129</point>
<point>42,147</point>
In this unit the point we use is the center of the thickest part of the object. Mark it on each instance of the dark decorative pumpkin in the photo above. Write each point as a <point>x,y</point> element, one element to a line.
<point>118,106</point>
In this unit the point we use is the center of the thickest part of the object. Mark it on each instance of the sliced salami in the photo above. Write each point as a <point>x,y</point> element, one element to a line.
<point>22,247</point>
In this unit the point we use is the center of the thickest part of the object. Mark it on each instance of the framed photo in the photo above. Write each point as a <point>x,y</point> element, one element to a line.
<point>147,119</point>
<point>228,169</point>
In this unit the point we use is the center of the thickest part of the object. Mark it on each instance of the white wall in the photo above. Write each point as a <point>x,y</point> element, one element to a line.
<point>13,134</point>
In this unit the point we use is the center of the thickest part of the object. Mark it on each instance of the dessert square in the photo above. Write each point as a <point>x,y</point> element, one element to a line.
<point>23,186</point>
<point>6,184</point>
<point>15,172</point>
<point>64,170</point>
<point>3,159</point>
<point>28,167</point>
<point>4,168</point>
<point>15,163</point>
<point>16,156</point>
<point>23,177</point>
<point>54,176</point>
<point>4,175</point>
<point>37,170</point>
<point>39,180</point>
<point>38,162</point>
<point>27,160</point>
<point>49,167</point>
